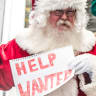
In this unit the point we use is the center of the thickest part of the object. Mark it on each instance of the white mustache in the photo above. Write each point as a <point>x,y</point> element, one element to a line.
<point>60,22</point>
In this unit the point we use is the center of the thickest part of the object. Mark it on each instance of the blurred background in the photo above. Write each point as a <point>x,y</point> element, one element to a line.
<point>92,21</point>
<point>27,12</point>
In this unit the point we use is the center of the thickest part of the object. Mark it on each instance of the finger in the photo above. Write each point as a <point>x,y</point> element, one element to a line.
<point>79,66</point>
<point>76,61</point>
<point>81,70</point>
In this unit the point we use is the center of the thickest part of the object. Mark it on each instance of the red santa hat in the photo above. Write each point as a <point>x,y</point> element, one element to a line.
<point>33,2</point>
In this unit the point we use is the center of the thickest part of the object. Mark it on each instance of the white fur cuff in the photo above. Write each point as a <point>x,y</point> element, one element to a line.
<point>89,89</point>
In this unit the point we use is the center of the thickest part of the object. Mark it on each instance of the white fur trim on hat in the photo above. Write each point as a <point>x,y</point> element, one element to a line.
<point>48,5</point>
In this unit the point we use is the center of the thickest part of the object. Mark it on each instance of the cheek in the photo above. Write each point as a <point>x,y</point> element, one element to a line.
<point>72,20</point>
<point>53,20</point>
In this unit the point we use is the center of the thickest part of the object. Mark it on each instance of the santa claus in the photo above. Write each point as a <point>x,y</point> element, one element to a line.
<point>55,24</point>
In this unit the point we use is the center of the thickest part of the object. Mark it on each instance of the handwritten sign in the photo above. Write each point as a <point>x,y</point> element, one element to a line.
<point>41,74</point>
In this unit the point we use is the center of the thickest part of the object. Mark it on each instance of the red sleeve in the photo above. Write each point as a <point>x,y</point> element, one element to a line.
<point>6,81</point>
<point>8,51</point>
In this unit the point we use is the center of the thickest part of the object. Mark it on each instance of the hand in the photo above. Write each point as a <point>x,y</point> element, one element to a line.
<point>83,63</point>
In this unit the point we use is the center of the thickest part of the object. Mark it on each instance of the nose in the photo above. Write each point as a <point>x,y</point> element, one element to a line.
<point>64,17</point>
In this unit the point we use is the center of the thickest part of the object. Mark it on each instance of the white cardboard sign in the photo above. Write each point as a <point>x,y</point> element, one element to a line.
<point>41,74</point>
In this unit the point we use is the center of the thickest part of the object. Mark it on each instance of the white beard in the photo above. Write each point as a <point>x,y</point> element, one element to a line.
<point>36,40</point>
<point>45,39</point>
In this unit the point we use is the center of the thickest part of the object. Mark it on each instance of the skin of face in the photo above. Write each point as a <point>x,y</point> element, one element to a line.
<point>53,19</point>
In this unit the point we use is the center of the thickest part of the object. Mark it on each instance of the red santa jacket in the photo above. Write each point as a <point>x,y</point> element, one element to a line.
<point>11,50</point>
